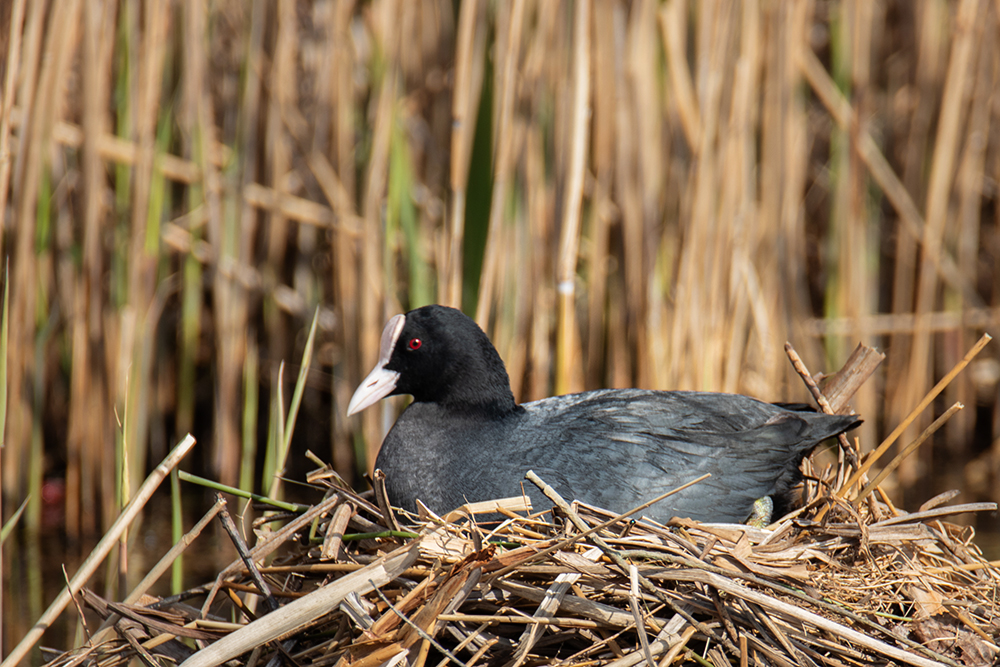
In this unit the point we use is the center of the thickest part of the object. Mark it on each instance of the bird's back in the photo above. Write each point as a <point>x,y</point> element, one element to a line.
<point>610,448</point>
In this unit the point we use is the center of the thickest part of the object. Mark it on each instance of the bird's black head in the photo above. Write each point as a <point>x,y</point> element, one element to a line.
<point>438,355</point>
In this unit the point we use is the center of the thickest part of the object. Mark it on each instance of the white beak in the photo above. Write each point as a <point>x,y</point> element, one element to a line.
<point>381,381</point>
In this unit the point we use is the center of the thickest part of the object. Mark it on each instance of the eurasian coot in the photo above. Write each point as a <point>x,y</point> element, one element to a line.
<point>465,439</point>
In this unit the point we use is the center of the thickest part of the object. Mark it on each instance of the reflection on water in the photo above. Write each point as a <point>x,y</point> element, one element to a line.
<point>33,570</point>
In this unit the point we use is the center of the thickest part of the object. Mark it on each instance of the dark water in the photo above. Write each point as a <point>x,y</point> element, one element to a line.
<point>34,567</point>
<point>990,545</point>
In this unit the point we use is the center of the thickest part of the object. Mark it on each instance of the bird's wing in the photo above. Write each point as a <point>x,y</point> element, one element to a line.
<point>640,444</point>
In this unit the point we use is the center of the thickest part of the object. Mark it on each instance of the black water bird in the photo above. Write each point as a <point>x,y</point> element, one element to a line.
<point>465,439</point>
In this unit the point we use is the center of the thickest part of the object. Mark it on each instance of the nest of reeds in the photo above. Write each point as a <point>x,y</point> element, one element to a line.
<point>846,579</point>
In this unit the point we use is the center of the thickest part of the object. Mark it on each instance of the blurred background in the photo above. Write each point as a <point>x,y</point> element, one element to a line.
<point>655,193</point>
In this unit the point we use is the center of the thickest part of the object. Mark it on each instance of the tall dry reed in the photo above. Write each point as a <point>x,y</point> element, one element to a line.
<point>647,193</point>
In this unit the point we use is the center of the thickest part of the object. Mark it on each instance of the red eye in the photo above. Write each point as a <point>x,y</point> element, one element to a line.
<point>414,344</point>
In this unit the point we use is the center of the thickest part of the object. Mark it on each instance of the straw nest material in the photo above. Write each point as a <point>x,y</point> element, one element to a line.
<point>845,580</point>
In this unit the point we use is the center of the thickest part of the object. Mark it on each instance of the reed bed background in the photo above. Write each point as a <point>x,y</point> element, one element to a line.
<point>653,194</point>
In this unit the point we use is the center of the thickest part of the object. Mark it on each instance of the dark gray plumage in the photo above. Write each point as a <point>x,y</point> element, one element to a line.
<point>464,439</point>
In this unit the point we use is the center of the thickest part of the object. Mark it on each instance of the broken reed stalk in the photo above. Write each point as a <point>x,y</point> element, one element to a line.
<point>807,378</point>
<point>856,371</point>
<point>261,586</point>
<point>909,449</point>
<point>931,395</point>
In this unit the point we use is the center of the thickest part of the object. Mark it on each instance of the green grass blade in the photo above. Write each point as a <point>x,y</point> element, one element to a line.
<point>201,481</point>
<point>251,386</point>
<point>288,422</point>
<point>12,521</point>
<point>300,386</point>
<point>176,532</point>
